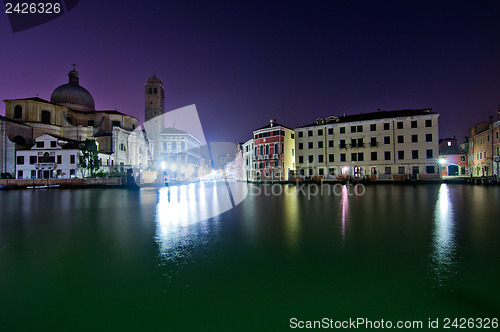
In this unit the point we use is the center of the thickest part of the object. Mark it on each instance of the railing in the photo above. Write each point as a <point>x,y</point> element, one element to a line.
<point>45,165</point>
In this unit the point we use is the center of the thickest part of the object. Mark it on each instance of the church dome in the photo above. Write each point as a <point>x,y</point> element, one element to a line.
<point>72,95</point>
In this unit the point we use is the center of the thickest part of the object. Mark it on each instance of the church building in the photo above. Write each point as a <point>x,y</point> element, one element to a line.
<point>70,114</point>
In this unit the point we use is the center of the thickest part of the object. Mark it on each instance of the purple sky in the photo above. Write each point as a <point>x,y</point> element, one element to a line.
<point>244,63</point>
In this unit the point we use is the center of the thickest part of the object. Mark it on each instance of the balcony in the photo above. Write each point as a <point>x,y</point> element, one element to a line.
<point>275,156</point>
<point>45,166</point>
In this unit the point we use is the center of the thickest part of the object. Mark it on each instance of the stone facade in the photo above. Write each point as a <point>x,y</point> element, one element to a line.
<point>379,145</point>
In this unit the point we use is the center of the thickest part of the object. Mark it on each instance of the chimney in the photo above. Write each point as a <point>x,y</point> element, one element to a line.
<point>498,113</point>
<point>272,121</point>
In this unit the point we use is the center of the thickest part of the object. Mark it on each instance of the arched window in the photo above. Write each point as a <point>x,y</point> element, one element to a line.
<point>174,146</point>
<point>261,149</point>
<point>156,91</point>
<point>46,157</point>
<point>276,148</point>
<point>150,90</point>
<point>46,117</point>
<point>183,146</point>
<point>267,149</point>
<point>18,112</point>
<point>19,140</point>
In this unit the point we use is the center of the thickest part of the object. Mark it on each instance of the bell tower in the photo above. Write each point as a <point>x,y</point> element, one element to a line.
<point>154,100</point>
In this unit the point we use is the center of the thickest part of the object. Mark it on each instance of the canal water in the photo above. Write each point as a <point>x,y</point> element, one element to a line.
<point>149,259</point>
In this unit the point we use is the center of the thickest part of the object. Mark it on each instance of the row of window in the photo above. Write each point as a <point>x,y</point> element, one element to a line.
<point>41,144</point>
<point>332,171</point>
<point>359,128</point>
<point>46,158</point>
<point>271,133</point>
<point>360,156</point>
<point>358,142</point>
<point>45,174</point>
<point>479,155</point>
<point>267,164</point>
<point>482,139</point>
<point>266,150</point>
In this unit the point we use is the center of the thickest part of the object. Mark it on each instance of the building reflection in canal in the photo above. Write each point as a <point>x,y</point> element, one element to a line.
<point>443,240</point>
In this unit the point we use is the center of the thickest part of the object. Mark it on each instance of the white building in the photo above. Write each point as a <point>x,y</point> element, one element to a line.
<point>49,158</point>
<point>248,159</point>
<point>385,144</point>
<point>180,154</point>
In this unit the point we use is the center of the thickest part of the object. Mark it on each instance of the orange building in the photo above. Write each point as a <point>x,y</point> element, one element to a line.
<point>484,148</point>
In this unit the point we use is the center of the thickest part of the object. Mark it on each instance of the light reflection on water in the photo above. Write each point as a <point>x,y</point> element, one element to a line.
<point>291,215</point>
<point>185,214</point>
<point>443,240</point>
<point>344,210</point>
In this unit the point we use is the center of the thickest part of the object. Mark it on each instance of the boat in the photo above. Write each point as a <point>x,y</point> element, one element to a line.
<point>44,187</point>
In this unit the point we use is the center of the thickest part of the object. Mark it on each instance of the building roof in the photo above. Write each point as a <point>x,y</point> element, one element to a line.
<point>372,116</point>
<point>112,112</point>
<point>3,118</point>
<point>173,131</point>
<point>154,79</point>
<point>273,125</point>
<point>34,99</point>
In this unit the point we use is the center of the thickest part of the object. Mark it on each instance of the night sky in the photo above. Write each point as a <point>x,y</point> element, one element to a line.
<point>243,63</point>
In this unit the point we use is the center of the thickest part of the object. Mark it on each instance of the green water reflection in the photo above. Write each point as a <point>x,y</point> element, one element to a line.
<point>187,258</point>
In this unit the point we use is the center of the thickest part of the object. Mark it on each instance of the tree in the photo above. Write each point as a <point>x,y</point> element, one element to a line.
<point>90,156</point>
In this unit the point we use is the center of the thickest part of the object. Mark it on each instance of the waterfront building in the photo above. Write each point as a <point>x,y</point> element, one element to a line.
<point>180,154</point>
<point>50,157</point>
<point>70,114</point>
<point>274,151</point>
<point>378,145</point>
<point>248,159</point>
<point>452,158</point>
<point>484,148</point>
